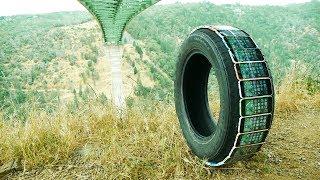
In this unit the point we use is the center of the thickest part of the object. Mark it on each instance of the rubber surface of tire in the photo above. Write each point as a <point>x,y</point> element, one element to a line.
<point>245,88</point>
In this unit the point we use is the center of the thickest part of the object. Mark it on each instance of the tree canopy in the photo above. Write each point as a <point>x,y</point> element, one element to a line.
<point>114,15</point>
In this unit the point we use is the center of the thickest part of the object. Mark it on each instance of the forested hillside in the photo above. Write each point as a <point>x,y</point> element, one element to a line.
<point>287,35</point>
<point>42,60</point>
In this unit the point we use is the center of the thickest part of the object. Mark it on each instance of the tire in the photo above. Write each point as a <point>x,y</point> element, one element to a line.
<point>245,88</point>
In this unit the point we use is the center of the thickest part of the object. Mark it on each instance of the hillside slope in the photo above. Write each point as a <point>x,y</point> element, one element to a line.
<point>56,59</point>
<point>286,35</point>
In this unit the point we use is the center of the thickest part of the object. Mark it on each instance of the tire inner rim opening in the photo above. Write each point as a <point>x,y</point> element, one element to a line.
<point>201,94</point>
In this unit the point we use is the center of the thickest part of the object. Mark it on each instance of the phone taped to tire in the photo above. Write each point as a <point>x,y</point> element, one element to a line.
<point>246,94</point>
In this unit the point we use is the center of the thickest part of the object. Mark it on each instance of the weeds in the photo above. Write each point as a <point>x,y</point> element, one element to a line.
<point>294,94</point>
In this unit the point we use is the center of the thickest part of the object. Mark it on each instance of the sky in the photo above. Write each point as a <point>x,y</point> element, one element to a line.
<point>17,7</point>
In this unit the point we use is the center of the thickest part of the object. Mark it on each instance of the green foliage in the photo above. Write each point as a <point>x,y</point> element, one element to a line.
<point>31,45</point>
<point>72,60</point>
<point>15,104</point>
<point>113,16</point>
<point>285,34</point>
<point>142,90</point>
<point>313,85</point>
<point>138,49</point>
<point>28,45</point>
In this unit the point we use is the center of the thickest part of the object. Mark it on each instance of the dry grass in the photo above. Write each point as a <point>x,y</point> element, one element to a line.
<point>147,143</point>
<point>139,145</point>
<point>293,94</point>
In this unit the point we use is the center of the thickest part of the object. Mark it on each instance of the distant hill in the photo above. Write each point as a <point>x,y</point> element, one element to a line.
<point>285,33</point>
<point>44,55</point>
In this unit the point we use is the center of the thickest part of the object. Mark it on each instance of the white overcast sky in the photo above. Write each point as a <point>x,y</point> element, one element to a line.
<point>15,7</point>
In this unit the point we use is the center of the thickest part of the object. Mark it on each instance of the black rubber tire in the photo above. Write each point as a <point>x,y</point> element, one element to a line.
<point>246,94</point>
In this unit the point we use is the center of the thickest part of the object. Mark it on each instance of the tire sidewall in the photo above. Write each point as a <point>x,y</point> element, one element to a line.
<point>219,142</point>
